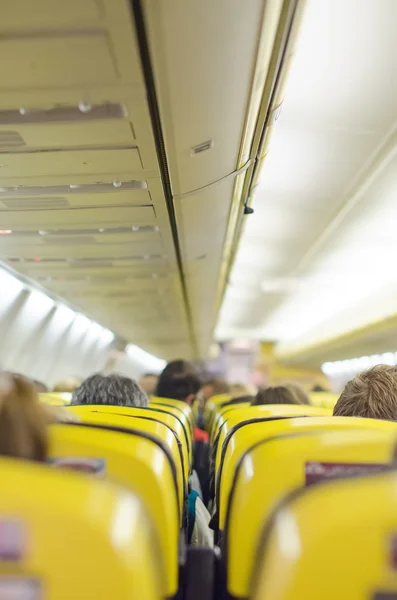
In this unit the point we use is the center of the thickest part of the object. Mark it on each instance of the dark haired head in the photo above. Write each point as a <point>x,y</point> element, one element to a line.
<point>275,395</point>
<point>182,386</point>
<point>298,391</point>
<point>178,367</point>
<point>111,389</point>
<point>318,388</point>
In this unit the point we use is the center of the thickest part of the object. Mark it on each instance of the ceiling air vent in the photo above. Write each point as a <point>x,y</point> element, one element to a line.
<point>67,240</point>
<point>37,261</point>
<point>104,187</point>
<point>11,139</point>
<point>127,294</point>
<point>34,203</point>
<point>61,279</point>
<point>60,114</point>
<point>84,264</point>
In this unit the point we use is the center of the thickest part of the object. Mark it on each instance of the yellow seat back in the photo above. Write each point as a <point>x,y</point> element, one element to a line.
<point>182,406</point>
<point>153,427</point>
<point>181,414</point>
<point>325,399</point>
<point>254,412</point>
<point>281,464</point>
<point>342,543</point>
<point>212,405</point>
<point>247,434</point>
<point>165,417</point>
<point>196,411</point>
<point>222,414</point>
<point>53,399</point>
<point>67,536</point>
<point>138,461</point>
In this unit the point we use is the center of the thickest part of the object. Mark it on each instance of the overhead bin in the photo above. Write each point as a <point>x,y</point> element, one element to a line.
<point>202,219</point>
<point>78,43</point>
<point>204,57</point>
<point>19,13</point>
<point>56,59</point>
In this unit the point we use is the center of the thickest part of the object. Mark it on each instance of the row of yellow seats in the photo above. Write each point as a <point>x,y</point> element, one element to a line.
<point>212,406</point>
<point>64,399</point>
<point>180,410</point>
<point>72,535</point>
<point>221,404</point>
<point>231,418</point>
<point>266,452</point>
<point>148,450</point>
<point>218,405</point>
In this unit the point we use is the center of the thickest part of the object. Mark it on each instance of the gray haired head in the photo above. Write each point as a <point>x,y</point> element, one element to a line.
<point>110,389</point>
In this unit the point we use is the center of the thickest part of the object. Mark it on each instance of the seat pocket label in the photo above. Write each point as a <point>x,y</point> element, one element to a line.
<point>19,588</point>
<point>82,464</point>
<point>323,471</point>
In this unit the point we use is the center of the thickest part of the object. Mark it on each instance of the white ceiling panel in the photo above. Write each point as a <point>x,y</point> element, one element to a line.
<point>69,134</point>
<point>321,238</point>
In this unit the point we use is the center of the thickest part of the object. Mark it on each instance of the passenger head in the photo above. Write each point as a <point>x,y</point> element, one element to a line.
<point>238,389</point>
<point>298,392</point>
<point>111,389</point>
<point>67,385</point>
<point>372,394</point>
<point>148,383</point>
<point>275,395</point>
<point>40,386</point>
<point>177,367</point>
<point>182,386</point>
<point>214,387</point>
<point>23,419</point>
<point>318,388</point>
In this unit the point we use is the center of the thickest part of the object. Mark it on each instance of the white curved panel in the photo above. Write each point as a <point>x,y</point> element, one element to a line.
<point>204,56</point>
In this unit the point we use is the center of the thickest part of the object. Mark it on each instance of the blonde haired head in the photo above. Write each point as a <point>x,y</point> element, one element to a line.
<point>23,420</point>
<point>372,393</point>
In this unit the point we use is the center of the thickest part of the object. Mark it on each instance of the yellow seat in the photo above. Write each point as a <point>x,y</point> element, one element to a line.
<point>53,399</point>
<point>245,435</point>
<point>212,406</point>
<point>136,460</point>
<point>156,428</point>
<point>341,543</point>
<point>325,399</point>
<point>185,408</point>
<point>165,417</point>
<point>221,407</point>
<point>277,466</point>
<point>271,411</point>
<point>67,536</point>
<point>222,415</point>
<point>196,411</point>
<point>181,413</point>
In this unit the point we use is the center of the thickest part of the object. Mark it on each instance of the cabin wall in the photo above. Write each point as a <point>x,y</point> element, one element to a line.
<point>44,340</point>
